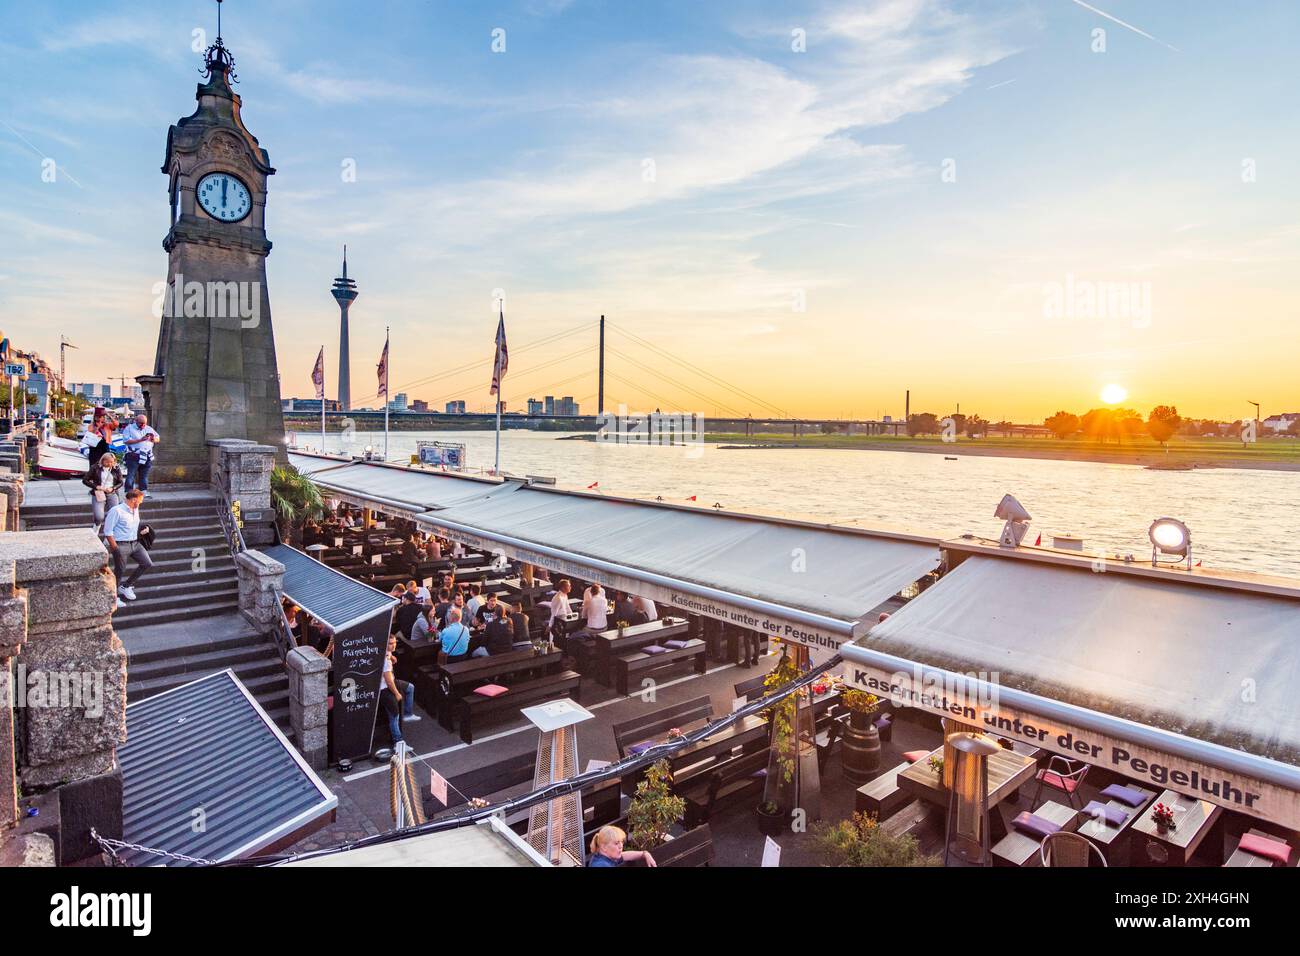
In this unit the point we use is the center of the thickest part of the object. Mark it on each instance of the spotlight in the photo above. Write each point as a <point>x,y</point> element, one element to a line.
<point>1017,521</point>
<point>1170,536</point>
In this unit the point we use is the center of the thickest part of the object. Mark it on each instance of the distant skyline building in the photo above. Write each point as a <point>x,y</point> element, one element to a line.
<point>535,407</point>
<point>308,405</point>
<point>456,408</point>
<point>345,293</point>
<point>419,405</point>
<point>399,403</point>
<point>566,406</point>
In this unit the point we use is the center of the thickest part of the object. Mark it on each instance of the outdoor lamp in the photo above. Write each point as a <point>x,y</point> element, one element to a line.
<point>1170,536</point>
<point>1017,521</point>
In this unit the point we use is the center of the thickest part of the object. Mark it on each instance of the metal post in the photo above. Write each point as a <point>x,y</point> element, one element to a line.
<point>600,391</point>
<point>388,391</point>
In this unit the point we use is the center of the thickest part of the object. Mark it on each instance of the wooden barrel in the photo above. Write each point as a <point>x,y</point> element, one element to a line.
<point>861,754</point>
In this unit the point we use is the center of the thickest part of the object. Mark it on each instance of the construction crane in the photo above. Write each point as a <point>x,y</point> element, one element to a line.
<point>64,345</point>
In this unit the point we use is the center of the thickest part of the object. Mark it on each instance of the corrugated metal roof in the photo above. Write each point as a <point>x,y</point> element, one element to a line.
<point>310,464</point>
<point>330,595</point>
<point>207,774</point>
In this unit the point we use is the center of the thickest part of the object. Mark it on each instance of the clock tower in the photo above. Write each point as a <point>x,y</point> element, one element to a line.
<point>215,372</point>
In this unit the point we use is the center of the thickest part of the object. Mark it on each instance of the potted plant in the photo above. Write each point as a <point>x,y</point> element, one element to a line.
<point>861,841</point>
<point>770,818</point>
<point>936,764</point>
<point>1163,817</point>
<point>622,626</point>
<point>654,809</point>
<point>861,753</point>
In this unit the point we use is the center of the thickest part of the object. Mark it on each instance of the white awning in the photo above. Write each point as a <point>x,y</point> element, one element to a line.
<point>695,559</point>
<point>1173,681</point>
<point>394,488</point>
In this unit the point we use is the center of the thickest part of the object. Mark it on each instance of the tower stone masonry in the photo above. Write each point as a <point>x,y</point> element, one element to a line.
<point>215,373</point>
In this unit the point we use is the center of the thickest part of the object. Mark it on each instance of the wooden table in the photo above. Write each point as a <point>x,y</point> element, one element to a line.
<point>1008,772</point>
<point>411,654</point>
<point>610,644</point>
<point>1021,849</point>
<point>1113,842</point>
<point>1196,820</point>
<point>745,733</point>
<point>459,678</point>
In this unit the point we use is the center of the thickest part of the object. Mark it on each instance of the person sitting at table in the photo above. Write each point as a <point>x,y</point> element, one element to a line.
<point>607,849</point>
<point>455,637</point>
<point>406,614</point>
<point>519,619</point>
<point>647,607</point>
<point>396,696</point>
<point>442,607</point>
<point>432,549</point>
<point>595,608</point>
<point>498,638</point>
<point>624,609</point>
<point>420,591</point>
<point>475,601</point>
<point>488,612</point>
<point>423,625</point>
<point>412,553</point>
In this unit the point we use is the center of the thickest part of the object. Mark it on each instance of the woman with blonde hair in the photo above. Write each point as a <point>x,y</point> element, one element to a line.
<point>607,849</point>
<point>103,480</point>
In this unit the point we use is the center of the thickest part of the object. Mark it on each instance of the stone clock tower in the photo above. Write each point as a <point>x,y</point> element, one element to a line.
<point>215,371</point>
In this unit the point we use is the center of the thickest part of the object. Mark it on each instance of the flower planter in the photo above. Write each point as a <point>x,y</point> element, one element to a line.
<point>860,756</point>
<point>770,824</point>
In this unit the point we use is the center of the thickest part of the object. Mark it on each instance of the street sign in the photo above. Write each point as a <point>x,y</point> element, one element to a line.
<point>12,369</point>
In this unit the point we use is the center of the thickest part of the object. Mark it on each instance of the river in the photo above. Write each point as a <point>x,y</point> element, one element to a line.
<point>1240,519</point>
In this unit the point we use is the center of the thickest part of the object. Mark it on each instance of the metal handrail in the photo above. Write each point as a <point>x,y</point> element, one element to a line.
<point>284,641</point>
<point>229,526</point>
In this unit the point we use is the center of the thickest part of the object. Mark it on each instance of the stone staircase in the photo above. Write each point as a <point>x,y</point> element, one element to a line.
<point>185,622</point>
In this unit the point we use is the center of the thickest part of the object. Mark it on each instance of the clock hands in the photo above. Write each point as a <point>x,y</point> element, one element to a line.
<point>224,183</point>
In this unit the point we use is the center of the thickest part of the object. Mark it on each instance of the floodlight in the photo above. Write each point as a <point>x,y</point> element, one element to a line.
<point>1017,521</point>
<point>1170,536</point>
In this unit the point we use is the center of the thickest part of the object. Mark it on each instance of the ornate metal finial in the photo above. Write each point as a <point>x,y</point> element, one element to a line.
<point>217,59</point>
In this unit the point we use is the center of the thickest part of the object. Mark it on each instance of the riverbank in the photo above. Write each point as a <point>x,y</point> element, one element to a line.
<point>1272,455</point>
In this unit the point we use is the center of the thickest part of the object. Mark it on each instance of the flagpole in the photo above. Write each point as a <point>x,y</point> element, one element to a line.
<point>387,397</point>
<point>322,402</point>
<point>496,465</point>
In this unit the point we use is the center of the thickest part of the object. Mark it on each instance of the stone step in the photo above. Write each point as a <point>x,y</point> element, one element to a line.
<point>175,597</point>
<point>248,661</point>
<point>124,617</point>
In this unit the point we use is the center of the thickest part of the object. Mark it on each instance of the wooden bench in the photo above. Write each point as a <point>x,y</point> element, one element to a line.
<point>751,689</point>
<point>1242,858</point>
<point>694,848</point>
<point>1021,849</point>
<point>882,796</point>
<point>440,687</point>
<point>629,665</point>
<point>565,683</point>
<point>659,722</point>
<point>722,781</point>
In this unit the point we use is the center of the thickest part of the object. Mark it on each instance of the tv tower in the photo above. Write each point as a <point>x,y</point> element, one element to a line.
<point>345,292</point>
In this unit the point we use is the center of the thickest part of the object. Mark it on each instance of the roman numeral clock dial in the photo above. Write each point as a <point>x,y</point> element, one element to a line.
<point>224,197</point>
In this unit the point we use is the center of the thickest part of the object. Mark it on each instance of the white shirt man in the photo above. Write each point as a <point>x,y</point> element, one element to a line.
<point>646,607</point>
<point>595,607</point>
<point>121,536</point>
<point>559,606</point>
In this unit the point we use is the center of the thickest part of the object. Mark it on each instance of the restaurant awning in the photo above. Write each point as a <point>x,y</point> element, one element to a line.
<point>310,464</point>
<point>1135,668</point>
<point>207,774</point>
<point>395,489</point>
<point>333,597</point>
<point>487,843</point>
<point>807,582</point>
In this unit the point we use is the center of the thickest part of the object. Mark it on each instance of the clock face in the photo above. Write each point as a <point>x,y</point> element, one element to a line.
<point>224,197</point>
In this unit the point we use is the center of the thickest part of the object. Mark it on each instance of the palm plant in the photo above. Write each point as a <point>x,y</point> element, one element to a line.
<point>296,499</point>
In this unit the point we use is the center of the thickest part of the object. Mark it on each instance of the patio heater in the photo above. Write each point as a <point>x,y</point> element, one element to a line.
<point>555,827</point>
<point>967,830</point>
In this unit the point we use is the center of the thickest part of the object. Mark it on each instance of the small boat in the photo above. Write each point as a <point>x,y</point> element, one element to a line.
<point>61,460</point>
<point>949,457</point>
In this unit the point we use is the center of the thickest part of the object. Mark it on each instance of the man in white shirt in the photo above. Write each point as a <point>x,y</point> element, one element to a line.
<point>474,603</point>
<point>140,441</point>
<point>121,537</point>
<point>595,608</point>
<point>560,602</point>
<point>646,607</point>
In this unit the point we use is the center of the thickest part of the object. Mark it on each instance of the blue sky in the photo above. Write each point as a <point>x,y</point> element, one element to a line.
<point>780,177</point>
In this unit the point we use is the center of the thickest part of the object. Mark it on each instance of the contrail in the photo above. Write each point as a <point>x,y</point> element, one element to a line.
<point>1126,26</point>
<point>1003,83</point>
<point>39,152</point>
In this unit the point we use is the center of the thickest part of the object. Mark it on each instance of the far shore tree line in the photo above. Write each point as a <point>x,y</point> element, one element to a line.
<point>1097,424</point>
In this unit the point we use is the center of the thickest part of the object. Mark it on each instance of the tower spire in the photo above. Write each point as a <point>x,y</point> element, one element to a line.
<point>345,293</point>
<point>217,59</point>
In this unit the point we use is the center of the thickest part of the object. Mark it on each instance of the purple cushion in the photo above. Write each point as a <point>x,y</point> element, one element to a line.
<point>654,649</point>
<point>1034,826</point>
<point>637,749</point>
<point>1115,816</point>
<point>884,721</point>
<point>1117,791</point>
<point>676,645</point>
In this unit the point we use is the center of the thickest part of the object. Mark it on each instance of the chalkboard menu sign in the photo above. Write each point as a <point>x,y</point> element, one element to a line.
<point>358,674</point>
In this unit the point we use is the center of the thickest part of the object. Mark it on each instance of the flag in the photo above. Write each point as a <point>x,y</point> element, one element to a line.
<point>592,485</point>
<point>318,374</point>
<point>502,361</point>
<point>1038,541</point>
<point>691,498</point>
<point>383,372</point>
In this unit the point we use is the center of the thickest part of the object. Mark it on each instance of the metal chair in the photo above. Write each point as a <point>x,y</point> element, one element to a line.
<point>1063,775</point>
<point>1063,848</point>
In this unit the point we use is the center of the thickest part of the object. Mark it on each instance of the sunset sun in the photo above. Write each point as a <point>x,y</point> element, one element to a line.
<point>1114,394</point>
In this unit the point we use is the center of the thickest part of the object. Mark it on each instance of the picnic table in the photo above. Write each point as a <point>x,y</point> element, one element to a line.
<point>457,679</point>
<point>1195,821</point>
<point>413,654</point>
<point>1008,772</point>
<point>1021,849</point>
<point>1112,840</point>
<point>610,644</point>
